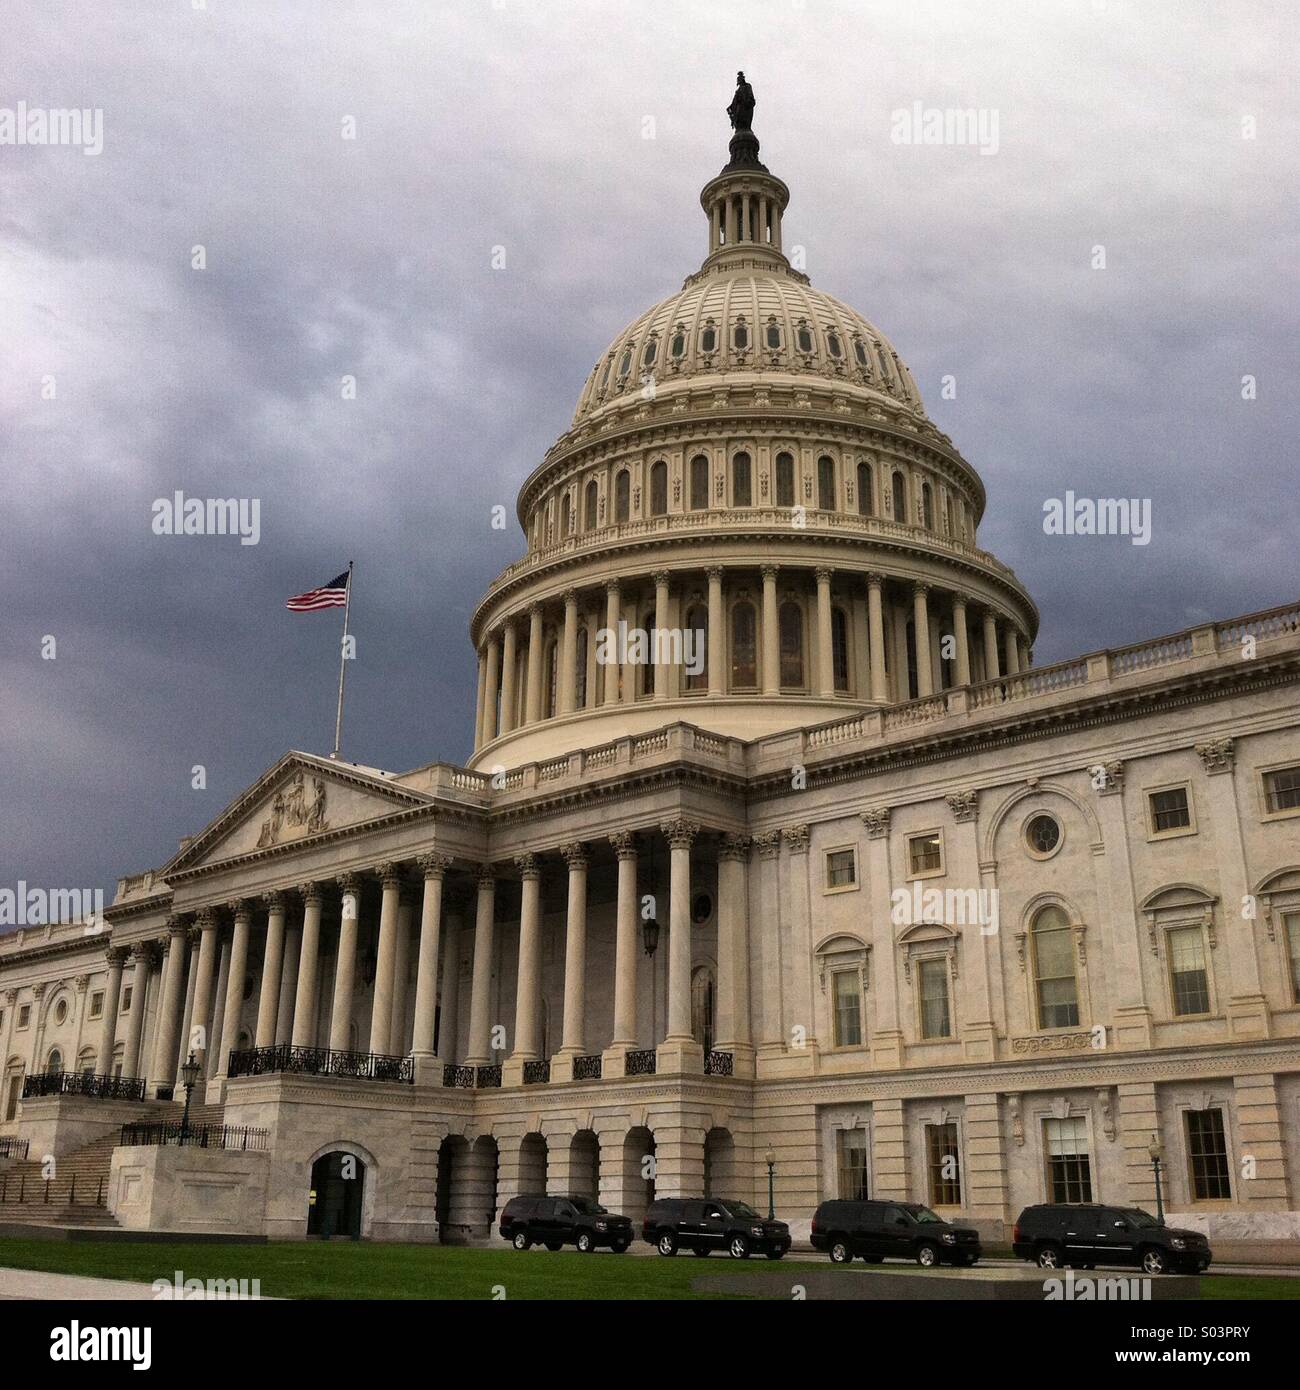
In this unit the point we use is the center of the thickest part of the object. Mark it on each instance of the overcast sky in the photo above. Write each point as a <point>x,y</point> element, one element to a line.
<point>522,124</point>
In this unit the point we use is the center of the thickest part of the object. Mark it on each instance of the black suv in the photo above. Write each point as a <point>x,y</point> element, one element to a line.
<point>706,1224</point>
<point>557,1221</point>
<point>877,1229</point>
<point>1088,1235</point>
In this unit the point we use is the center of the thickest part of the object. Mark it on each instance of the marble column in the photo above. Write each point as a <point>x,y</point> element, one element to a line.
<point>771,676</point>
<point>963,646</point>
<point>491,691</point>
<point>680,834</point>
<point>116,957</point>
<point>568,691</point>
<point>990,624</point>
<point>625,954</point>
<point>288,981</point>
<point>200,1013</point>
<point>183,1047</point>
<point>480,1002</point>
<point>434,868</point>
<point>661,627</point>
<point>734,1029</point>
<point>573,1040</point>
<point>345,967</point>
<point>825,638</point>
<point>399,1028</point>
<point>142,956</point>
<point>170,1005</point>
<point>509,672</point>
<point>1012,650</point>
<point>876,637</point>
<point>217,1010</point>
<point>717,636</point>
<point>243,911</point>
<point>304,1004</point>
<point>480,697</point>
<point>381,1012</point>
<point>921,635</point>
<point>268,1003</point>
<point>528,994</point>
<point>447,1006</point>
<point>613,611</point>
<point>536,662</point>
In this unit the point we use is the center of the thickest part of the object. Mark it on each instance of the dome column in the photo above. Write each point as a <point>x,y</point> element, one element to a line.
<point>825,661</point>
<point>509,672</point>
<point>1012,649</point>
<point>717,633</point>
<point>921,634</point>
<point>771,683</point>
<point>613,603</point>
<point>990,646</point>
<point>660,636</point>
<point>479,697</point>
<point>533,708</point>
<point>491,691</point>
<point>569,654</point>
<point>959,632</point>
<point>876,637</point>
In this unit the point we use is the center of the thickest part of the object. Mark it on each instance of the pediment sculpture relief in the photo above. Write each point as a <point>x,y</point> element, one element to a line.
<point>292,815</point>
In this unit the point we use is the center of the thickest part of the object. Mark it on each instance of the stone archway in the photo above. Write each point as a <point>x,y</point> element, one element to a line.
<point>638,1173</point>
<point>335,1203</point>
<point>720,1164</point>
<point>533,1163</point>
<point>584,1165</point>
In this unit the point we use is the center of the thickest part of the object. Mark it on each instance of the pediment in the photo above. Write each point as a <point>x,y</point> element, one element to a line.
<point>301,799</point>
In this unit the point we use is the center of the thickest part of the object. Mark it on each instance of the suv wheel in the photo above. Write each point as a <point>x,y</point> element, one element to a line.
<point>667,1243</point>
<point>584,1243</point>
<point>620,1247</point>
<point>1154,1261</point>
<point>1049,1257</point>
<point>927,1256</point>
<point>520,1240</point>
<point>738,1247</point>
<point>840,1252</point>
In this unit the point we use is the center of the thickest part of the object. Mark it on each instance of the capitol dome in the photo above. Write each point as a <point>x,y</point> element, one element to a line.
<point>751,482</point>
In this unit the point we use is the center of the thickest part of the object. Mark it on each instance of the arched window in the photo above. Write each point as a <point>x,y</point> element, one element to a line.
<point>899,488</point>
<point>742,485</point>
<point>625,363</point>
<point>702,1007</point>
<point>840,648</point>
<point>833,344</point>
<point>826,483</point>
<point>866,502</point>
<point>622,496</point>
<point>699,483</point>
<point>1055,986</point>
<point>564,516</point>
<point>86,1061</point>
<point>913,686</point>
<point>552,671</point>
<point>678,345</point>
<point>927,507</point>
<point>697,629</point>
<point>709,338</point>
<point>580,689</point>
<point>790,624</point>
<point>650,353</point>
<point>647,667</point>
<point>740,336</point>
<point>54,1062</point>
<point>784,480</point>
<point>591,508</point>
<point>860,352</point>
<point>658,488</point>
<point>803,337</point>
<point>773,335</point>
<point>604,376</point>
<point>744,652</point>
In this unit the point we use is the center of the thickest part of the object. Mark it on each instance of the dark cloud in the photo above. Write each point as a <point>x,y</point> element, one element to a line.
<point>523,125</point>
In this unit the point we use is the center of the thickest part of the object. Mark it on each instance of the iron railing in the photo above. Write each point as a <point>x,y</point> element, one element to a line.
<point>640,1062</point>
<point>243,1137</point>
<point>587,1068</point>
<point>537,1072</point>
<point>487,1076</point>
<point>29,1190</point>
<point>718,1063</point>
<point>11,1146</point>
<point>457,1076</point>
<point>76,1083</point>
<point>320,1061</point>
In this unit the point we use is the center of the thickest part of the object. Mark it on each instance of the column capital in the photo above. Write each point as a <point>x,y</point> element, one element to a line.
<point>714,573</point>
<point>796,838</point>
<point>575,855</point>
<point>624,843</point>
<point>920,588</point>
<point>875,580</point>
<point>144,953</point>
<point>767,843</point>
<point>176,927</point>
<point>571,598</point>
<point>734,848</point>
<point>389,872</point>
<point>613,586</point>
<point>876,822</point>
<point>38,990</point>
<point>536,611</point>
<point>433,865</point>
<point>486,876</point>
<point>208,919</point>
<point>660,578</point>
<point>959,601</point>
<point>273,900</point>
<point>680,833</point>
<point>348,883</point>
<point>528,866</point>
<point>115,956</point>
<point>310,892</point>
<point>824,574</point>
<point>769,573</point>
<point>81,982</point>
<point>963,805</point>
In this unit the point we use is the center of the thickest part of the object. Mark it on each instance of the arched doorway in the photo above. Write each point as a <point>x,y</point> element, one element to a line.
<point>638,1173</point>
<point>338,1182</point>
<point>720,1164</point>
<point>584,1165</point>
<point>533,1153</point>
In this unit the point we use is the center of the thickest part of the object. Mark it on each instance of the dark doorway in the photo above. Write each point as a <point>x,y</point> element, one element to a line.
<point>337,1186</point>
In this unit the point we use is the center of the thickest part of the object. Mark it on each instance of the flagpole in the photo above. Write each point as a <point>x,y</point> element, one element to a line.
<point>343,663</point>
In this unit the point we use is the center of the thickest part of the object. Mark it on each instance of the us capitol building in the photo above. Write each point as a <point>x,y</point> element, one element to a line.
<point>860,896</point>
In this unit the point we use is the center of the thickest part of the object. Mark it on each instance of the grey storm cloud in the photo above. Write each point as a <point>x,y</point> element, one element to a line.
<point>575,137</point>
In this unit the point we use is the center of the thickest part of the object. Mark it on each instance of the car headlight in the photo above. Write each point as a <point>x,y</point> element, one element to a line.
<point>1178,1242</point>
<point>602,1225</point>
<point>755,1230</point>
<point>948,1238</point>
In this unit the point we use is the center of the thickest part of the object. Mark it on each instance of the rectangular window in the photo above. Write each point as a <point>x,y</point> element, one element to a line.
<point>925,853</point>
<point>1189,982</point>
<point>1292,920</point>
<point>841,868</point>
<point>97,1004</point>
<point>848,1008</point>
<point>126,1000</point>
<point>1069,1170</point>
<point>851,1164</point>
<point>1170,810</point>
<point>1282,789</point>
<point>1207,1152</point>
<point>936,1021</point>
<point>943,1164</point>
<point>24,1015</point>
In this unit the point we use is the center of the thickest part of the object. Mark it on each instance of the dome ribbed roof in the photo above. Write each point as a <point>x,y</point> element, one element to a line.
<point>766,320</point>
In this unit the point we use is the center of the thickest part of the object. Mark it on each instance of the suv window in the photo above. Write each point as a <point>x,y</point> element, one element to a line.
<point>896,1216</point>
<point>543,1209</point>
<point>713,1212</point>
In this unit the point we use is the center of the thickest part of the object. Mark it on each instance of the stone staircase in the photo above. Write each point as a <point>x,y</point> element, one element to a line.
<point>77,1193</point>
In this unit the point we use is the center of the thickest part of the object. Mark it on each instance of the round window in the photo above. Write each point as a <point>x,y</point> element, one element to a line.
<point>701,908</point>
<point>1043,836</point>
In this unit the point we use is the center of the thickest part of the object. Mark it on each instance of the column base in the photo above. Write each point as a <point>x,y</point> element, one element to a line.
<point>779,1062</point>
<point>562,1068</point>
<point>428,1069</point>
<point>979,1042</point>
<point>887,1050</point>
<point>512,1070</point>
<point>742,1058</point>
<point>613,1061</point>
<point>214,1091</point>
<point>1248,1016</point>
<point>677,1056</point>
<point>1132,1028</point>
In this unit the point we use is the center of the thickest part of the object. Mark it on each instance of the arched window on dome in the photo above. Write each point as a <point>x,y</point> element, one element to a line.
<point>833,344</point>
<point>604,376</point>
<point>699,483</point>
<point>744,650</point>
<point>697,623</point>
<point>625,363</point>
<point>580,679</point>
<point>740,335</point>
<point>565,517</point>
<point>742,482</point>
<point>927,506</point>
<point>866,498</point>
<point>826,483</point>
<point>709,338</point>
<point>678,345</point>
<point>658,488</point>
<point>860,352</point>
<point>790,630</point>
<point>1056,987</point>
<point>803,337</point>
<point>785,480</point>
<point>622,495</point>
<point>551,669</point>
<point>898,486</point>
<point>840,648</point>
<point>650,352</point>
<point>773,335</point>
<point>591,506</point>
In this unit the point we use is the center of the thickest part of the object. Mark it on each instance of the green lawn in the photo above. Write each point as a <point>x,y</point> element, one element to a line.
<point>343,1269</point>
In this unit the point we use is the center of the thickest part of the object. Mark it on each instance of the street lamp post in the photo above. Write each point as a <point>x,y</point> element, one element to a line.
<point>190,1069</point>
<point>1157,1153</point>
<point>770,1159</point>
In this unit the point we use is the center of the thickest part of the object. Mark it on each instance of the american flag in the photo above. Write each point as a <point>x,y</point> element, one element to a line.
<point>331,595</point>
